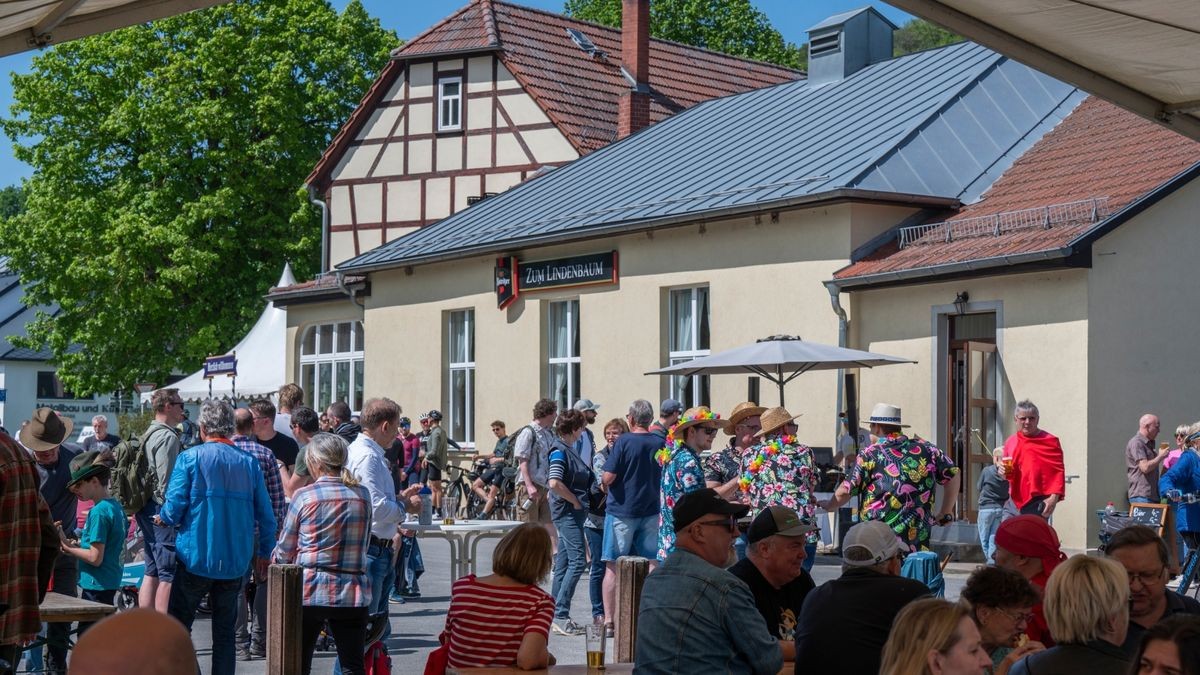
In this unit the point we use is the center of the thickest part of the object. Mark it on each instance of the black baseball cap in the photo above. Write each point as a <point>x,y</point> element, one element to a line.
<point>695,505</point>
<point>778,520</point>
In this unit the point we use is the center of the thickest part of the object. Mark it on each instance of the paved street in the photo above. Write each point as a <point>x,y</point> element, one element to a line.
<point>415,625</point>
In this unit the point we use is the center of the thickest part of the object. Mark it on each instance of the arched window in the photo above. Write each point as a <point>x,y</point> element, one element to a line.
<point>331,364</point>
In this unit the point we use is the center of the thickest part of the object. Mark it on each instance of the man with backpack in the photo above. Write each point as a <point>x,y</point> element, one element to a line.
<point>532,450</point>
<point>160,446</point>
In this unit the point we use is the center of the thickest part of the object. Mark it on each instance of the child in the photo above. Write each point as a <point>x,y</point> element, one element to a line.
<point>993,493</point>
<point>103,538</point>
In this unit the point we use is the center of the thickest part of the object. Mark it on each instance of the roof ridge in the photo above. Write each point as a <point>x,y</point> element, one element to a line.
<point>617,30</point>
<point>489,22</point>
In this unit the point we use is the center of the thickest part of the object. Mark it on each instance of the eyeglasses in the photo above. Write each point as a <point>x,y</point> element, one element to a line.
<point>178,403</point>
<point>1017,616</point>
<point>728,523</point>
<point>711,431</point>
<point>1146,577</point>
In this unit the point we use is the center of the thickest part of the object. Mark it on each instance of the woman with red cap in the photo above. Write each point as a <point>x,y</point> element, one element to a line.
<point>1027,544</point>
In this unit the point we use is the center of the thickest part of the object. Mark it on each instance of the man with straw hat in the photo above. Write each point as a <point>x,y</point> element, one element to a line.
<point>680,462</point>
<point>779,470</point>
<point>895,480</point>
<point>722,469</point>
<point>45,435</point>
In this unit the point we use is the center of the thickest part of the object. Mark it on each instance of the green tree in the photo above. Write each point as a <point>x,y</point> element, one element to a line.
<point>167,164</point>
<point>728,26</point>
<point>12,201</point>
<point>918,35</point>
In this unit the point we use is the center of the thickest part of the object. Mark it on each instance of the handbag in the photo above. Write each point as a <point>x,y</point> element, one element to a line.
<point>597,501</point>
<point>439,659</point>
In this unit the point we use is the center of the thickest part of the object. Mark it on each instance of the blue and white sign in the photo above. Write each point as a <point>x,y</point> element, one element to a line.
<point>3,395</point>
<point>220,365</point>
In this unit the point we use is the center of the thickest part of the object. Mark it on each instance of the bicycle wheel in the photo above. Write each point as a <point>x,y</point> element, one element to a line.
<point>452,500</point>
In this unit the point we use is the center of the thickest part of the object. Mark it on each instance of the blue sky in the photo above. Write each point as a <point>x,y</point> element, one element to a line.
<point>410,17</point>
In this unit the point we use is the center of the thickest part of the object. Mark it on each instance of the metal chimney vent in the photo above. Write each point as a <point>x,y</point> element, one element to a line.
<point>846,43</point>
<point>583,42</point>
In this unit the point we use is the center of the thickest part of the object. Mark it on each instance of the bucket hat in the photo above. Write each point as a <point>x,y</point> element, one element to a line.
<point>45,431</point>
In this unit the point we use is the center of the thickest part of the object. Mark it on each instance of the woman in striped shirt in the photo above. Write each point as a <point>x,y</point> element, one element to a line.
<point>326,532</point>
<point>503,619</point>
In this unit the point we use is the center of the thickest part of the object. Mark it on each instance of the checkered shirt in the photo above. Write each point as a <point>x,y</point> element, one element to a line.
<point>270,471</point>
<point>326,532</point>
<point>26,532</point>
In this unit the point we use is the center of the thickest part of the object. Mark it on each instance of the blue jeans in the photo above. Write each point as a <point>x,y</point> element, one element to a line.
<point>187,591</point>
<point>410,566</point>
<point>381,575</point>
<point>989,522</point>
<point>810,556</point>
<point>740,544</point>
<point>595,544</point>
<point>571,545</point>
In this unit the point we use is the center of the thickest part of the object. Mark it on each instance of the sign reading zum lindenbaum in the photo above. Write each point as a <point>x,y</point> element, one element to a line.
<point>582,270</point>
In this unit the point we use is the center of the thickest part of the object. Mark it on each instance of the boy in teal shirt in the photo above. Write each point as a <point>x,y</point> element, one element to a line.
<point>100,546</point>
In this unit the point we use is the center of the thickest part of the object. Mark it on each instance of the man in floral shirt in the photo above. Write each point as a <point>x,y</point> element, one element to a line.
<point>895,479</point>
<point>723,468</point>
<point>779,470</point>
<point>681,470</point>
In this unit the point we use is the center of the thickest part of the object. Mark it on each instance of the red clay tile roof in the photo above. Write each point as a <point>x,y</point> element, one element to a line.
<point>321,284</point>
<point>1098,151</point>
<point>578,92</point>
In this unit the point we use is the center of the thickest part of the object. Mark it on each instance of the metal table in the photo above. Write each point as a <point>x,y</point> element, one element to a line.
<point>464,537</point>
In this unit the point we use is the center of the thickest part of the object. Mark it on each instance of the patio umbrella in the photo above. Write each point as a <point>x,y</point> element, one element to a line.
<point>780,359</point>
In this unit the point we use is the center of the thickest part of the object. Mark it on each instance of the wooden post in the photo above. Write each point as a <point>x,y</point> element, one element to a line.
<point>631,574</point>
<point>284,605</point>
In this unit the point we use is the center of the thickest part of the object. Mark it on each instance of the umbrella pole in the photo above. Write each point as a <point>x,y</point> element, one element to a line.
<point>779,379</point>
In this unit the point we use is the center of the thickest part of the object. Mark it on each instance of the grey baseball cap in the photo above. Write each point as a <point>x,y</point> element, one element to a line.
<point>670,406</point>
<point>585,404</point>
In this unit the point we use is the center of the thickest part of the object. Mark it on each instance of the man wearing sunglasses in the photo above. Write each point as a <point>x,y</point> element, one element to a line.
<point>682,471</point>
<point>695,616</point>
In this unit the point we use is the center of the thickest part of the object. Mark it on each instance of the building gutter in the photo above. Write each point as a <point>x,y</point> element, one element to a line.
<point>900,277</point>
<point>636,226</point>
<point>314,198</point>
<point>835,299</point>
<point>341,284</point>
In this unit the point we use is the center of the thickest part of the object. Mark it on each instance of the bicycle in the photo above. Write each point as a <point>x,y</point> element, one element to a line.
<point>458,499</point>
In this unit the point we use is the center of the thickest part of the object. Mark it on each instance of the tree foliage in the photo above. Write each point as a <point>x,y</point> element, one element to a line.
<point>728,26</point>
<point>167,162</point>
<point>12,201</point>
<point>918,35</point>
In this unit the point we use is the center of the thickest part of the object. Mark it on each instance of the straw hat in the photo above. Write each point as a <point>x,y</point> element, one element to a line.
<point>45,431</point>
<point>774,419</point>
<point>740,412</point>
<point>884,413</point>
<point>693,416</point>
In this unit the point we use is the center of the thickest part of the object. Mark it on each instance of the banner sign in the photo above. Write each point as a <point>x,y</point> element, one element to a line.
<point>220,365</point>
<point>582,270</point>
<point>506,282</point>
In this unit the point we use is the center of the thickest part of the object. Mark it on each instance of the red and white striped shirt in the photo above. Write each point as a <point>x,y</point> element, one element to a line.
<point>486,623</point>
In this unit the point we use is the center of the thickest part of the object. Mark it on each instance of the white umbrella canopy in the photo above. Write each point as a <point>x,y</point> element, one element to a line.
<point>780,359</point>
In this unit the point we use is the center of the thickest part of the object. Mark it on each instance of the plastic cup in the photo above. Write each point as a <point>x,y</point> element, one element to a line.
<point>1008,464</point>
<point>594,638</point>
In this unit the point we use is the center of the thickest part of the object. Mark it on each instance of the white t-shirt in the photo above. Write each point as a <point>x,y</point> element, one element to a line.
<point>283,424</point>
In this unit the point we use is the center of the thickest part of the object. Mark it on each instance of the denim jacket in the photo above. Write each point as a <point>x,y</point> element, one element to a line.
<point>699,618</point>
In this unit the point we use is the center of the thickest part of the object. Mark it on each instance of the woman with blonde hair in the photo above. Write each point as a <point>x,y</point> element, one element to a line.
<point>1087,610</point>
<point>503,619</point>
<point>934,637</point>
<point>326,532</point>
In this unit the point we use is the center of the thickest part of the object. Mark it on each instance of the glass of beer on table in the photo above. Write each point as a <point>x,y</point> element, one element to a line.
<point>594,636</point>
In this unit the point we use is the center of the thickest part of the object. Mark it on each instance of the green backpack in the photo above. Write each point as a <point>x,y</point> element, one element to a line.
<point>132,482</point>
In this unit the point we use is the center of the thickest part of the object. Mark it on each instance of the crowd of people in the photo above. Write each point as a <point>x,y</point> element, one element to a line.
<point>729,529</point>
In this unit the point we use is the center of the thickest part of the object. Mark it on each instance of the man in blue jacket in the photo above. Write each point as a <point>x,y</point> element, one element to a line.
<point>216,498</point>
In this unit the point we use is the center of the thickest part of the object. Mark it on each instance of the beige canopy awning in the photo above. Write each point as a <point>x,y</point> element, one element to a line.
<point>1143,55</point>
<point>29,24</point>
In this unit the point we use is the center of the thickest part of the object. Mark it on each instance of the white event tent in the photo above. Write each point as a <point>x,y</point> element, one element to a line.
<point>260,358</point>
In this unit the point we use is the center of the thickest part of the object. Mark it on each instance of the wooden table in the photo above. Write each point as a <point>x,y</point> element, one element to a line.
<point>575,669</point>
<point>464,537</point>
<point>59,608</point>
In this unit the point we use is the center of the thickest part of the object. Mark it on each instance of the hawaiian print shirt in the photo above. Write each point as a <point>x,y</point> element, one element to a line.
<point>788,478</point>
<point>680,475</point>
<point>895,481</point>
<point>723,465</point>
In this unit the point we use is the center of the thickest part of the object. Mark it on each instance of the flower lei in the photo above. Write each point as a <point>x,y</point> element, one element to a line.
<point>673,444</point>
<point>766,451</point>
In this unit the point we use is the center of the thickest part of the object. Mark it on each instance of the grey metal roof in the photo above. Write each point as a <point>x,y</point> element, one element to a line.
<point>839,19</point>
<point>935,127</point>
<point>14,316</point>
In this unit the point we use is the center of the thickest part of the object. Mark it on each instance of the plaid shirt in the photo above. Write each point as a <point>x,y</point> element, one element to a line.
<point>270,471</point>
<point>26,533</point>
<point>326,532</point>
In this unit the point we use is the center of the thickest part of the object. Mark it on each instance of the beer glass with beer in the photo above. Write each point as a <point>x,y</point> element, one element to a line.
<point>595,646</point>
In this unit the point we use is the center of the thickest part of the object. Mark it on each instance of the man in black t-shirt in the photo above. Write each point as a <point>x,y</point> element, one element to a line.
<point>774,571</point>
<point>101,440</point>
<point>284,448</point>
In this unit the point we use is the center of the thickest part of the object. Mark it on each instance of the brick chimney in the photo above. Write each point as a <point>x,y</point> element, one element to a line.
<point>633,108</point>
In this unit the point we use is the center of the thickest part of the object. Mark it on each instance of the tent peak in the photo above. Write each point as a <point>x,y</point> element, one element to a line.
<point>287,278</point>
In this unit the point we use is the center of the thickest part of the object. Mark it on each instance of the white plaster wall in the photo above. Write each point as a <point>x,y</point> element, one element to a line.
<point>508,150</point>
<point>437,198</point>
<point>479,74</point>
<point>449,153</point>
<point>392,161</point>
<point>368,202</point>
<point>521,109</point>
<point>420,78</point>
<point>479,152</point>
<point>505,79</point>
<point>549,145</point>
<point>381,122</point>
<point>420,157</point>
<point>420,116</point>
<point>499,182</point>
<point>404,200</point>
<point>341,247</point>
<point>339,205</point>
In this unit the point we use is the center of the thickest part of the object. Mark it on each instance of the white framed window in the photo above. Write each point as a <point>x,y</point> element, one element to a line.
<point>689,339</point>
<point>563,351</point>
<point>449,104</point>
<point>331,365</point>
<point>460,367</point>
